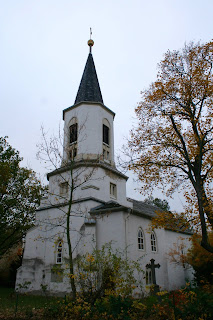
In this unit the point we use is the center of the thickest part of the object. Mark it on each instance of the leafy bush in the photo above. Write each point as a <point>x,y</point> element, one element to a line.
<point>187,303</point>
<point>106,272</point>
<point>108,307</point>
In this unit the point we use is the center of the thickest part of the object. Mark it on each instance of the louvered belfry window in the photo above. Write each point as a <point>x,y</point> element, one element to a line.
<point>73,133</point>
<point>105,134</point>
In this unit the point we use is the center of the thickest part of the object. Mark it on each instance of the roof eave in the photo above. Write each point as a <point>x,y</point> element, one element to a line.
<point>89,103</point>
<point>87,163</point>
<point>109,210</point>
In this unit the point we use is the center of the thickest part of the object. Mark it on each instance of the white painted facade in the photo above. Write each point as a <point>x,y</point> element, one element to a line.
<point>94,178</point>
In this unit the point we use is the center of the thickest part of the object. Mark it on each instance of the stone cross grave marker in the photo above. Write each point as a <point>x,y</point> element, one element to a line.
<point>152,266</point>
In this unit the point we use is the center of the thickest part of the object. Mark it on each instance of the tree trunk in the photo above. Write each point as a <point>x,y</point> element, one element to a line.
<point>201,206</point>
<point>71,267</point>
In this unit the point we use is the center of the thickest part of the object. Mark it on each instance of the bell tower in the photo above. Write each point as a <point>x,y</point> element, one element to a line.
<point>88,123</point>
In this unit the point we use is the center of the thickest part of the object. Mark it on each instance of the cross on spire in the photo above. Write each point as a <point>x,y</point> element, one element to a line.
<point>90,42</point>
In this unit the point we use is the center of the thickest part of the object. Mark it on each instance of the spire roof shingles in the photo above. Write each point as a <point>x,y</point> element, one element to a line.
<point>89,89</point>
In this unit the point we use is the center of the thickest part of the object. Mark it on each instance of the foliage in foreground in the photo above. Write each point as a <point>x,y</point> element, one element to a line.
<point>182,304</point>
<point>187,303</point>
<point>108,272</point>
<point>20,193</point>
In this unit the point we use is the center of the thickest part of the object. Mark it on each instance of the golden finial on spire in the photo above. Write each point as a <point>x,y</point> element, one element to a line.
<point>90,41</point>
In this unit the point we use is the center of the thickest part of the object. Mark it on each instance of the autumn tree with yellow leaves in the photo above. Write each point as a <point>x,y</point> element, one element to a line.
<point>201,261</point>
<point>172,143</point>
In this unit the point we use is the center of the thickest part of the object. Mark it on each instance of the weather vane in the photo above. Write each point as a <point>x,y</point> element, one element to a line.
<point>90,41</point>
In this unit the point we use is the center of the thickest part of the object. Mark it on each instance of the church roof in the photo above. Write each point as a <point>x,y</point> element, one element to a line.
<point>89,89</point>
<point>110,205</point>
<point>145,208</point>
<point>139,208</point>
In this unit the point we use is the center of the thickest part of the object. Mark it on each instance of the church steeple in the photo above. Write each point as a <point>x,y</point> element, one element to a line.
<point>89,89</point>
<point>88,124</point>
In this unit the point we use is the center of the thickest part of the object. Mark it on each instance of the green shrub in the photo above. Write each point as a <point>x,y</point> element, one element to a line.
<point>107,272</point>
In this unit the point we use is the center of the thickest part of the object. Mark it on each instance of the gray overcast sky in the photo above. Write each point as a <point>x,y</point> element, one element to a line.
<point>44,50</point>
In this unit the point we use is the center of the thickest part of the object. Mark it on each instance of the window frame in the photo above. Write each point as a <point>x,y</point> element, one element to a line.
<point>59,252</point>
<point>73,152</point>
<point>73,133</point>
<point>141,240</point>
<point>113,190</point>
<point>153,242</point>
<point>106,137</point>
<point>63,188</point>
<point>149,280</point>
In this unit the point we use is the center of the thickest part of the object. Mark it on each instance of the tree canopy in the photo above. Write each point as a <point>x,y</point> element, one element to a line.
<point>163,204</point>
<point>20,193</point>
<point>172,143</point>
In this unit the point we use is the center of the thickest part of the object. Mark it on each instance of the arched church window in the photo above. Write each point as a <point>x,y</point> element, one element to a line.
<point>140,239</point>
<point>59,252</point>
<point>153,242</point>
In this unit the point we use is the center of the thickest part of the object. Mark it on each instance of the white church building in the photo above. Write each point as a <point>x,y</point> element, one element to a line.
<point>100,211</point>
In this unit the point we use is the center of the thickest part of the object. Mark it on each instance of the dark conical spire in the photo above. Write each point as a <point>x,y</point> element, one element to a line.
<point>89,89</point>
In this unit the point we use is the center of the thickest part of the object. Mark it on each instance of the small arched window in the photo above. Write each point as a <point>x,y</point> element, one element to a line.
<point>59,252</point>
<point>153,242</point>
<point>140,239</point>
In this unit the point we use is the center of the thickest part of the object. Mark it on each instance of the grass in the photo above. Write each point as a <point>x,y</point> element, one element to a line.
<point>21,305</point>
